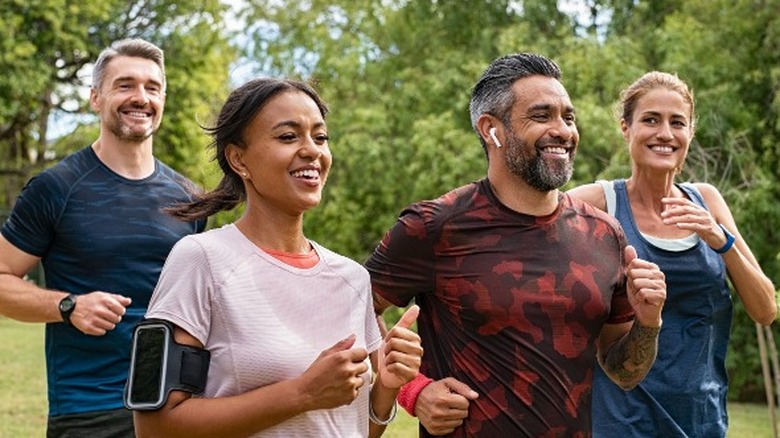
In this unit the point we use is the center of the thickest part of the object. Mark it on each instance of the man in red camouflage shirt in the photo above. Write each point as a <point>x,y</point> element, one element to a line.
<point>523,290</point>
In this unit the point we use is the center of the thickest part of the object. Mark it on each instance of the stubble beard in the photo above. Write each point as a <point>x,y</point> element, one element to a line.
<point>125,133</point>
<point>527,163</point>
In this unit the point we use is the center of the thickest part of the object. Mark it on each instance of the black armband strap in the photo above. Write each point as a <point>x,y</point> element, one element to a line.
<point>159,365</point>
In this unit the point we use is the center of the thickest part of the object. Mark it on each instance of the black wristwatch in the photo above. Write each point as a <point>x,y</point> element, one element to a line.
<point>67,305</point>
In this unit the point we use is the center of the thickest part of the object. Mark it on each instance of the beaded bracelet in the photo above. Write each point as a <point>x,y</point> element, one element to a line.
<point>372,416</point>
<point>729,241</point>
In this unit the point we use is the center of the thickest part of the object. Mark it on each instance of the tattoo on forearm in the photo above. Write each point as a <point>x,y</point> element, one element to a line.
<point>629,360</point>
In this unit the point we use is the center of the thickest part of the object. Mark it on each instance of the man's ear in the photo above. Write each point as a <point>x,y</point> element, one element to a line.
<point>93,99</point>
<point>490,130</point>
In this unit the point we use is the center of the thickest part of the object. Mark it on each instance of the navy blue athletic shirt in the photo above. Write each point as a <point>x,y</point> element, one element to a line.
<point>96,230</point>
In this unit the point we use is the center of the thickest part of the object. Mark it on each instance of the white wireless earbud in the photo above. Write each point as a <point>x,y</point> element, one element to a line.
<point>492,134</point>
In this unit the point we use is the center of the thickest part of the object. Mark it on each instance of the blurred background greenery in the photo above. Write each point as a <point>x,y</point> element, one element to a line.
<point>397,75</point>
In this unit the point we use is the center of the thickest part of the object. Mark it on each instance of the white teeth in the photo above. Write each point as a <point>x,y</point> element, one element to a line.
<point>662,149</point>
<point>309,173</point>
<point>137,114</point>
<point>555,150</point>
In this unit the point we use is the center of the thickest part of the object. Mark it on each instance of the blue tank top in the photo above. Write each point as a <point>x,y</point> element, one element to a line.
<point>684,394</point>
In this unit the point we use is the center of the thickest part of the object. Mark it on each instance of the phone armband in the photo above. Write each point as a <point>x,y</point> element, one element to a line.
<point>159,365</point>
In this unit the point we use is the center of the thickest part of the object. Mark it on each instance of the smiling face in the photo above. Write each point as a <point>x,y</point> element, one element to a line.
<point>286,158</point>
<point>660,130</point>
<point>131,98</point>
<point>542,137</point>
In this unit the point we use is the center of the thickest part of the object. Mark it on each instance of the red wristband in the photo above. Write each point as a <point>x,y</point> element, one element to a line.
<point>407,396</point>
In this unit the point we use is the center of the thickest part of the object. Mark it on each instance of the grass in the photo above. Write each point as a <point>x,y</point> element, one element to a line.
<point>746,421</point>
<point>22,380</point>
<point>23,392</point>
<point>750,421</point>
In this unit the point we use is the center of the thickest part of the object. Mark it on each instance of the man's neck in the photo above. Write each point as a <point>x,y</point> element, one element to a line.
<point>132,160</point>
<point>517,195</point>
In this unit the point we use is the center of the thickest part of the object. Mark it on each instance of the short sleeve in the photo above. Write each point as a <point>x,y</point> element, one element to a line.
<point>373,335</point>
<point>31,225</point>
<point>401,265</point>
<point>183,294</point>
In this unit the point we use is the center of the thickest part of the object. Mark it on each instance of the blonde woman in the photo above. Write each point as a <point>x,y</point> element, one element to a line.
<point>688,230</point>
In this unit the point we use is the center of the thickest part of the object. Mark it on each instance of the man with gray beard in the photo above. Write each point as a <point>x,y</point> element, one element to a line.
<point>523,290</point>
<point>95,220</point>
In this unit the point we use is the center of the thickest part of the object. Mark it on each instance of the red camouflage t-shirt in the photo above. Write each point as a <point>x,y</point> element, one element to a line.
<point>511,304</point>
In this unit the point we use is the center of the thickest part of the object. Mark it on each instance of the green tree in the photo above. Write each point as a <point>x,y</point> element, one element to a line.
<point>46,48</point>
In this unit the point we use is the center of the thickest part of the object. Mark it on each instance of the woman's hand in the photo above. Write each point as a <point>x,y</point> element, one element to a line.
<point>686,215</point>
<point>401,354</point>
<point>336,376</point>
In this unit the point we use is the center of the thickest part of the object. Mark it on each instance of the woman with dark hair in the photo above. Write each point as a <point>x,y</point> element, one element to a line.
<point>289,324</point>
<point>688,230</point>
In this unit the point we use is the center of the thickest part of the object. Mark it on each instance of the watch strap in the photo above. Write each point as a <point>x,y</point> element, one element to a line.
<point>66,312</point>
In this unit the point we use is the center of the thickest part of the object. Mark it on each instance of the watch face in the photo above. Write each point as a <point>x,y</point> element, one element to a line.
<point>66,304</point>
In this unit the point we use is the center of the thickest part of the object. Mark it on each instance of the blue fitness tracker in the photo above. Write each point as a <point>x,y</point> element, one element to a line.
<point>729,241</point>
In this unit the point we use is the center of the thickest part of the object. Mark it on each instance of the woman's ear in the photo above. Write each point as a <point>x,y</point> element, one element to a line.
<point>624,128</point>
<point>235,158</point>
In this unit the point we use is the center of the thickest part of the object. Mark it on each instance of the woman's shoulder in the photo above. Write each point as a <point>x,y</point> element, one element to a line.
<point>709,192</point>
<point>592,193</point>
<point>712,197</point>
<point>704,188</point>
<point>334,258</point>
<point>225,238</point>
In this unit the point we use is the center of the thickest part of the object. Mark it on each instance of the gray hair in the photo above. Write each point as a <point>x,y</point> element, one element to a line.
<point>493,92</point>
<point>134,47</point>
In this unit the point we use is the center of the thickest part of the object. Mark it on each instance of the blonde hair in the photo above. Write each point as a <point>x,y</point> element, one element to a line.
<point>650,81</point>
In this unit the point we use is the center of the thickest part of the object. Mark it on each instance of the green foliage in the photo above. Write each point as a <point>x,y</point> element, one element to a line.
<point>45,47</point>
<point>744,354</point>
<point>42,47</point>
<point>197,85</point>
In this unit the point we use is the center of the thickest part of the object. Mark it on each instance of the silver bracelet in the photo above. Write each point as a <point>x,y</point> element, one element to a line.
<point>375,420</point>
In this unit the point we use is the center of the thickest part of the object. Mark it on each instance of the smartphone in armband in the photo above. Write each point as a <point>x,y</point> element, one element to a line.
<point>159,365</point>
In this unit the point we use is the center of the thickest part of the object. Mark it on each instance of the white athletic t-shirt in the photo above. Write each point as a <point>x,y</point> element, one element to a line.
<point>265,321</point>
